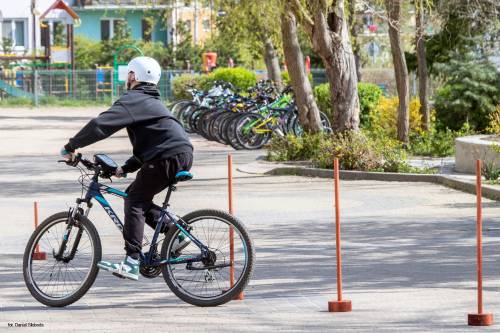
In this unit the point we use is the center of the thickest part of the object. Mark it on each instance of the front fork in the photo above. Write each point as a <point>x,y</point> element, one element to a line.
<point>73,217</point>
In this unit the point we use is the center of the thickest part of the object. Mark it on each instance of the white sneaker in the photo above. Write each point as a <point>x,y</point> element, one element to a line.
<point>128,268</point>
<point>180,243</point>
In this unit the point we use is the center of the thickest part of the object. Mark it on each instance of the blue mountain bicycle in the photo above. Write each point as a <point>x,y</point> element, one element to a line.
<point>211,270</point>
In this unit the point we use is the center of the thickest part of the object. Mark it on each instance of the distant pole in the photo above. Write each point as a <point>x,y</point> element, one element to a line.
<point>35,86</point>
<point>33,26</point>
<point>211,18</point>
<point>71,45</point>
<point>195,23</point>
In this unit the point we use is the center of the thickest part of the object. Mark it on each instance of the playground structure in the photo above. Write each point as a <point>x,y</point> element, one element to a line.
<point>102,85</point>
<point>19,73</point>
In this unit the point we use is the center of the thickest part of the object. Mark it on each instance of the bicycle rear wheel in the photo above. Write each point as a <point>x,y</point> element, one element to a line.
<point>210,283</point>
<point>60,282</point>
<point>251,131</point>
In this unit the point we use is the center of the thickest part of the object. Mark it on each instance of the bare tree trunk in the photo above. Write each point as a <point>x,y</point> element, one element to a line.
<point>400,69</point>
<point>272,62</point>
<point>308,110</point>
<point>340,67</point>
<point>423,88</point>
<point>326,26</point>
<point>353,28</point>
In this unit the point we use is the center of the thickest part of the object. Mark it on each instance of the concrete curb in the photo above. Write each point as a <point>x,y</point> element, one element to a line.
<point>449,181</point>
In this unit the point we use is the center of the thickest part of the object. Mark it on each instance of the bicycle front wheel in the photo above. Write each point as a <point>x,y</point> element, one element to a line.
<point>59,280</point>
<point>222,276</point>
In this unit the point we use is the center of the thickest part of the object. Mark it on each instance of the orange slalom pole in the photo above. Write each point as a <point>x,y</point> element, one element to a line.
<point>37,255</point>
<point>339,305</point>
<point>479,319</point>
<point>240,296</point>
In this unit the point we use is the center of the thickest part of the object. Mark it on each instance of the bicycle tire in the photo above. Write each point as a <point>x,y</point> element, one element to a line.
<point>242,281</point>
<point>248,139</point>
<point>90,277</point>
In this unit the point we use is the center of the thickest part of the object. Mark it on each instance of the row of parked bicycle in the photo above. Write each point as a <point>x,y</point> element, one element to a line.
<point>247,121</point>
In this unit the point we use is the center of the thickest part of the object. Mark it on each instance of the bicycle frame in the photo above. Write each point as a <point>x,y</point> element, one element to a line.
<point>96,190</point>
<point>275,117</point>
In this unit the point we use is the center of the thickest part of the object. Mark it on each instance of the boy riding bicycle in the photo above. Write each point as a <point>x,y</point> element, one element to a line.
<point>161,148</point>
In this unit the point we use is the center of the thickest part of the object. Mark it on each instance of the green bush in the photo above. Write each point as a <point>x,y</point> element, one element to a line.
<point>181,83</point>
<point>368,93</point>
<point>383,118</point>
<point>292,148</point>
<point>322,96</point>
<point>469,95</point>
<point>157,50</point>
<point>355,150</point>
<point>494,121</point>
<point>87,53</point>
<point>369,96</point>
<point>436,143</point>
<point>490,171</point>
<point>240,77</point>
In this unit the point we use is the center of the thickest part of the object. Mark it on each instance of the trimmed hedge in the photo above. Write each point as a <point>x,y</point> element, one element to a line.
<point>241,78</point>
<point>181,83</point>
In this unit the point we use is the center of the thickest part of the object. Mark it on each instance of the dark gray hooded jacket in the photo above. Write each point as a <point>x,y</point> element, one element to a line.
<point>152,129</point>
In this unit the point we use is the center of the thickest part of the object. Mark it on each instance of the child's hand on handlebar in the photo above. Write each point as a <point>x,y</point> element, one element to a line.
<point>119,173</point>
<point>68,155</point>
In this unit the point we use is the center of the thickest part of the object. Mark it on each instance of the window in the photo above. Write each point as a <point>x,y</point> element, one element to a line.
<point>19,33</point>
<point>109,27</point>
<point>147,30</point>
<point>105,33</point>
<point>44,29</point>
<point>15,30</point>
<point>206,25</point>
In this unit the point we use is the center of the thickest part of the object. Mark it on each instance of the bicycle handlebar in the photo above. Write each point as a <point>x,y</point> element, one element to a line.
<point>79,158</point>
<point>93,166</point>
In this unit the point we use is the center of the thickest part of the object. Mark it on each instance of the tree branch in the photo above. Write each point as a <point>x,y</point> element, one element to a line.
<point>302,15</point>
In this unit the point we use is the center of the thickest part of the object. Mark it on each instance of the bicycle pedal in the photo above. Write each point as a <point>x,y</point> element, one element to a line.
<point>119,276</point>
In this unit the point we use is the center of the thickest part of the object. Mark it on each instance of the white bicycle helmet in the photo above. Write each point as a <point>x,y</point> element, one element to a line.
<point>145,69</point>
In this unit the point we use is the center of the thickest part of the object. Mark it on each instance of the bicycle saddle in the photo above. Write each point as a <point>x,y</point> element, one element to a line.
<point>183,176</point>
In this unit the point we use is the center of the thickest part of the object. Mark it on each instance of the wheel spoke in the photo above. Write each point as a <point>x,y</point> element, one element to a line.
<point>209,284</point>
<point>54,279</point>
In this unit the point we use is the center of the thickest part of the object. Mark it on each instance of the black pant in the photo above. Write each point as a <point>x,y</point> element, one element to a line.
<point>152,178</point>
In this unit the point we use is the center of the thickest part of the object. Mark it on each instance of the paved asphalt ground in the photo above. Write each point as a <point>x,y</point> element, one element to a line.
<point>408,248</point>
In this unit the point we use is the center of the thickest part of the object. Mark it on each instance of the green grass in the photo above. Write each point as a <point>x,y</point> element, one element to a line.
<point>15,101</point>
<point>52,101</point>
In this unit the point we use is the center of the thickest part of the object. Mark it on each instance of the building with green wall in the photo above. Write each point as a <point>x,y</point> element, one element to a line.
<point>99,21</point>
